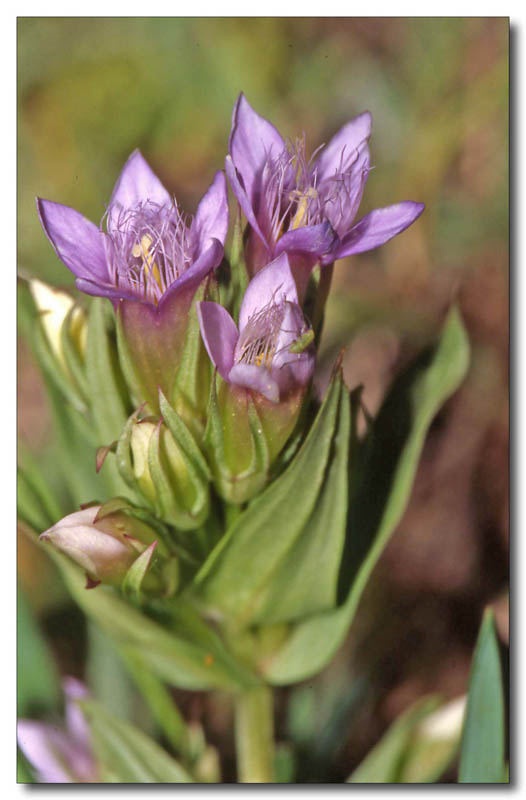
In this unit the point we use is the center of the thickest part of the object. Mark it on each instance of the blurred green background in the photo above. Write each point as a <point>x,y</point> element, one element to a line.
<point>90,90</point>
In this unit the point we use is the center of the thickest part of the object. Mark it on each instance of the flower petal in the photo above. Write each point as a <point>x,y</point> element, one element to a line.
<point>346,190</point>
<point>220,335</point>
<point>292,368</point>
<point>44,747</point>
<point>138,183</point>
<point>252,140</point>
<point>77,241</point>
<point>242,198</point>
<point>338,154</point>
<point>314,239</point>
<point>211,219</point>
<point>258,379</point>
<point>378,227</point>
<point>208,260</point>
<point>273,282</point>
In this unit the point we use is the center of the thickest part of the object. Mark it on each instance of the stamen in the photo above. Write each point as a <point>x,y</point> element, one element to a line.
<point>258,341</point>
<point>148,249</point>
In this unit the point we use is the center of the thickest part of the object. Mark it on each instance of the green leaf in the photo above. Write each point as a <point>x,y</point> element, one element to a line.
<point>37,677</point>
<point>483,737</point>
<point>381,483</point>
<point>306,580</point>
<point>72,358</point>
<point>235,577</point>
<point>184,651</point>
<point>385,761</point>
<point>125,754</point>
<point>108,396</point>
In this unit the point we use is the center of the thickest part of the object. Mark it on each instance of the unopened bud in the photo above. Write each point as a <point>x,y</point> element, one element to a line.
<point>53,307</point>
<point>106,548</point>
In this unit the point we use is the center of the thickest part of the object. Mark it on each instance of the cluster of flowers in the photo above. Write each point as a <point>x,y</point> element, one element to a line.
<point>300,212</point>
<point>255,347</point>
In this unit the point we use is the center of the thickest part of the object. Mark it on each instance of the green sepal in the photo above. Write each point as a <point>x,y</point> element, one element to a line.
<point>382,473</point>
<point>125,754</point>
<point>174,487</point>
<point>192,381</point>
<point>123,452</point>
<point>183,437</point>
<point>133,580</point>
<point>235,443</point>
<point>483,736</point>
<point>251,574</point>
<point>239,277</point>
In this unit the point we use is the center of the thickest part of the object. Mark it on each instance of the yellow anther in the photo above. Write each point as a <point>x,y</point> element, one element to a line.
<point>150,267</point>
<point>301,210</point>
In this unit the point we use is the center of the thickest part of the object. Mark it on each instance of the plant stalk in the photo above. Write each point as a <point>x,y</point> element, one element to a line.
<point>254,729</point>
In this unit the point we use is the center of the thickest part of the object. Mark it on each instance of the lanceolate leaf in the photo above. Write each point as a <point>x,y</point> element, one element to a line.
<point>384,763</point>
<point>483,737</point>
<point>105,380</point>
<point>125,754</point>
<point>246,559</point>
<point>381,491</point>
<point>306,580</point>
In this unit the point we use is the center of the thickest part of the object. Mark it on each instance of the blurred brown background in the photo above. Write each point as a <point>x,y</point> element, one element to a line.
<point>91,90</point>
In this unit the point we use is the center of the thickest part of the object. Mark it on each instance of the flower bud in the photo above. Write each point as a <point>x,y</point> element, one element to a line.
<point>167,472</point>
<point>106,547</point>
<point>53,307</point>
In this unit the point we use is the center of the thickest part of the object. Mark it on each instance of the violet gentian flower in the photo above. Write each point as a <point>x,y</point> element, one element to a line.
<point>148,261</point>
<point>60,755</point>
<point>260,355</point>
<point>148,251</point>
<point>307,206</point>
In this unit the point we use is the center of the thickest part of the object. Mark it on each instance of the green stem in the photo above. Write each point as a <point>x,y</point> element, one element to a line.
<point>254,726</point>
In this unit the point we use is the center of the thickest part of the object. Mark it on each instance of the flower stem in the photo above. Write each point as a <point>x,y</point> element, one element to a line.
<point>254,726</point>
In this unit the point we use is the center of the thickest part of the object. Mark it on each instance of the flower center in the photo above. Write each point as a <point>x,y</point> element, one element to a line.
<point>290,191</point>
<point>148,248</point>
<point>259,338</point>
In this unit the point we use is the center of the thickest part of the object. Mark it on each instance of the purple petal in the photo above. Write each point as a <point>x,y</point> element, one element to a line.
<point>258,379</point>
<point>378,227</point>
<point>292,369</point>
<point>242,199</point>
<point>77,241</point>
<point>44,747</point>
<point>338,154</point>
<point>349,191</point>
<point>272,283</point>
<point>192,277</point>
<point>138,183</point>
<point>252,140</point>
<point>103,289</point>
<point>314,239</point>
<point>220,335</point>
<point>211,219</point>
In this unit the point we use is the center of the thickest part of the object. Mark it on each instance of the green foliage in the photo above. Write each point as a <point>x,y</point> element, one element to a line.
<point>37,678</point>
<point>483,737</point>
<point>382,476</point>
<point>125,754</point>
<point>260,569</point>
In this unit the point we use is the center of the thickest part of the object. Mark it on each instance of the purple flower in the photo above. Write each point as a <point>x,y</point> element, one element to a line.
<point>60,755</point>
<point>300,205</point>
<point>149,250</point>
<point>261,355</point>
